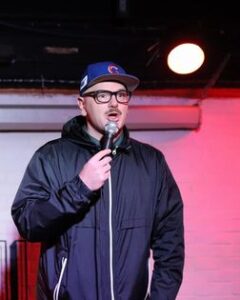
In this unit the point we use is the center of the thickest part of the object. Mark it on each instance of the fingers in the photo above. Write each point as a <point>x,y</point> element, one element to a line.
<point>97,169</point>
<point>100,159</point>
<point>101,154</point>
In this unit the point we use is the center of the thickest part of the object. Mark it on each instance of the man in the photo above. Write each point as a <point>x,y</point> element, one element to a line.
<point>99,213</point>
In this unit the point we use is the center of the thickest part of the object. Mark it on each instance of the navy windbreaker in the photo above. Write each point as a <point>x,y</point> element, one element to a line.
<point>96,245</point>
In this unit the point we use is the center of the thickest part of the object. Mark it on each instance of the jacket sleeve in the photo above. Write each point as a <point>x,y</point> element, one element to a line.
<point>42,208</point>
<point>167,239</point>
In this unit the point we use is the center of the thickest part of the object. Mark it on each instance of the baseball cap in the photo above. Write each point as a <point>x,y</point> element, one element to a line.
<point>107,71</point>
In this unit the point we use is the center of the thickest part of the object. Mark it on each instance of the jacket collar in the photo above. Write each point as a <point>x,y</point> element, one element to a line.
<point>75,131</point>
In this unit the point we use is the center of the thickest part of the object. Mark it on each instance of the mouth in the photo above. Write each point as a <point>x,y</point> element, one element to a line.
<point>113,115</point>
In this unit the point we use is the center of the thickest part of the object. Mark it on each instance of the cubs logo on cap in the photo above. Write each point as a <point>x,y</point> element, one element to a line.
<point>113,69</point>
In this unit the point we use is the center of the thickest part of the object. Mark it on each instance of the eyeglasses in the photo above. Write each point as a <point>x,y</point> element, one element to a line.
<point>100,97</point>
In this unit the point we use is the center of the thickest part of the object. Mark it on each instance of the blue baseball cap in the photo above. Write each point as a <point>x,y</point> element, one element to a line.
<point>107,71</point>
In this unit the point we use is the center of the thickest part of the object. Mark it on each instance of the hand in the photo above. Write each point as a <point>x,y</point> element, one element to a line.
<point>96,170</point>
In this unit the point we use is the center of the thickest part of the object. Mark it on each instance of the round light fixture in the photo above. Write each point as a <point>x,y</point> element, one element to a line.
<point>185,58</point>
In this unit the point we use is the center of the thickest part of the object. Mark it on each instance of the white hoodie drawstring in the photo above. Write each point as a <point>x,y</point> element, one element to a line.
<point>57,287</point>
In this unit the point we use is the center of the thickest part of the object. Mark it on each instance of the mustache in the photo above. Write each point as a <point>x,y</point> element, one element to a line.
<point>114,111</point>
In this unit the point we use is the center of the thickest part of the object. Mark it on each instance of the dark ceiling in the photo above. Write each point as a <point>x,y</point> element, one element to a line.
<point>49,44</point>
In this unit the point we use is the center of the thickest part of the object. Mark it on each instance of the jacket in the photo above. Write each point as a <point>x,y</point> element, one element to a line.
<point>96,245</point>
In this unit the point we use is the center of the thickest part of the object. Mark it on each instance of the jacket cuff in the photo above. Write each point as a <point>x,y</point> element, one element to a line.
<point>82,192</point>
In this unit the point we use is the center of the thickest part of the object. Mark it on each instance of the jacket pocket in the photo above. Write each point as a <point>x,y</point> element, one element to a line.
<point>134,223</point>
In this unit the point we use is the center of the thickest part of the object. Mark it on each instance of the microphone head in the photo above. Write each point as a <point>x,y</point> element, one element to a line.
<point>111,127</point>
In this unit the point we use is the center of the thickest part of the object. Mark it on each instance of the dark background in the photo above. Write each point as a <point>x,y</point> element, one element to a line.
<point>49,43</point>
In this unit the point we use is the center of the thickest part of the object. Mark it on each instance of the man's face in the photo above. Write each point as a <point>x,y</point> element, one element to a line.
<point>97,114</point>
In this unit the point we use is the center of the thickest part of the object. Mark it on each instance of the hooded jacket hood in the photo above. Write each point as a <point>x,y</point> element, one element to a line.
<point>74,130</point>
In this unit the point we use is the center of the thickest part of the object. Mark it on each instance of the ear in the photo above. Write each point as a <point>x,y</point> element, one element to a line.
<point>81,105</point>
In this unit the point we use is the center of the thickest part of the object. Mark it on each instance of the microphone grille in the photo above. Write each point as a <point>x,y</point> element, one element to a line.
<point>111,127</point>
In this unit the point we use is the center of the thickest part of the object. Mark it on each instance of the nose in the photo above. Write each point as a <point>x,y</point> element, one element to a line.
<point>113,102</point>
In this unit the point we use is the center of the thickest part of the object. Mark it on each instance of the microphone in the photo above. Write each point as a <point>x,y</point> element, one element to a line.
<point>110,130</point>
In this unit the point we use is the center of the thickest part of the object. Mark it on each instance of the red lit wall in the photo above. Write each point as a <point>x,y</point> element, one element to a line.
<point>206,165</point>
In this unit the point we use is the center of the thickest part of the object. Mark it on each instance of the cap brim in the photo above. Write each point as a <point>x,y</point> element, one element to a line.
<point>131,82</point>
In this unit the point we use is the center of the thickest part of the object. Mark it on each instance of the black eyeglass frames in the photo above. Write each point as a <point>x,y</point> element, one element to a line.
<point>102,96</point>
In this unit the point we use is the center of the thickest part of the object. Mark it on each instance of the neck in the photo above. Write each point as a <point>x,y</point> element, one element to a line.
<point>97,136</point>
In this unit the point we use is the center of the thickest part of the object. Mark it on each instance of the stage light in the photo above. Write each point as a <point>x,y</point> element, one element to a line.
<point>185,58</point>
